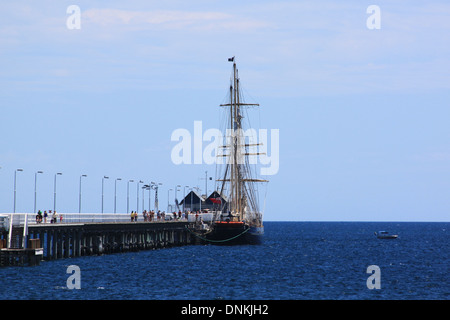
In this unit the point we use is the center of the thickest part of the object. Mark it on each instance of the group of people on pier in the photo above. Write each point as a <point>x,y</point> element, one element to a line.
<point>161,216</point>
<point>148,216</point>
<point>43,217</point>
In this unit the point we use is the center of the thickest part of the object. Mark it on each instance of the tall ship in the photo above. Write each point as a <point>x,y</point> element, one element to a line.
<point>237,218</point>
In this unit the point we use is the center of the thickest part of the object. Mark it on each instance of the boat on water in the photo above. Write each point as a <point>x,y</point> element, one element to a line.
<point>385,235</point>
<point>237,218</point>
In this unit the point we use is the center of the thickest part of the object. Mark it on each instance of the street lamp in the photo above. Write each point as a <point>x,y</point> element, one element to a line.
<point>115,193</point>
<point>184,197</point>
<point>54,191</point>
<point>155,186</point>
<point>199,195</point>
<point>15,177</point>
<point>79,201</point>
<point>176,189</point>
<point>192,191</point>
<point>128,195</point>
<point>103,182</point>
<point>146,187</point>
<point>35,189</point>
<point>137,195</point>
<point>168,197</point>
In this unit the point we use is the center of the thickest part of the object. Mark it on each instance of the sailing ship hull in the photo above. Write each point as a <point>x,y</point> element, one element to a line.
<point>234,233</point>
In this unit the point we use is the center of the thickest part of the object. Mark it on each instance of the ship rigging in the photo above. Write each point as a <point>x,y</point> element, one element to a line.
<point>239,219</point>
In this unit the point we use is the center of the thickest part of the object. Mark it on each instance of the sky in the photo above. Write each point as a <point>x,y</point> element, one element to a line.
<point>363,114</point>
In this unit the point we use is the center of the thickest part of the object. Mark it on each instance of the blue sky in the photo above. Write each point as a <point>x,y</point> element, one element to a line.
<point>363,114</point>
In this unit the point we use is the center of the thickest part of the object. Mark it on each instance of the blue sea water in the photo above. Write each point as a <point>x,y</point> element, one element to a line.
<point>297,260</point>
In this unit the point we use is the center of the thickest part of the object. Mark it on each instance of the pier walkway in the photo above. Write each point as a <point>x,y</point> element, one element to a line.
<point>23,241</point>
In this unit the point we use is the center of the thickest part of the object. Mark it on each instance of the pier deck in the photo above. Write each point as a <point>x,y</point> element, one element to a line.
<point>49,241</point>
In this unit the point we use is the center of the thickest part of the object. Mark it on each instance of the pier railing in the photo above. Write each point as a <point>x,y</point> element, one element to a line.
<point>14,219</point>
<point>19,218</point>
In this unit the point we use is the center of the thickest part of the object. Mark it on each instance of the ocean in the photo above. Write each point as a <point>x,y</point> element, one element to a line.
<point>297,261</point>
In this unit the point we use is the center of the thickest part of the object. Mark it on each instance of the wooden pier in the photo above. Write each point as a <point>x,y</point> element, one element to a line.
<point>52,241</point>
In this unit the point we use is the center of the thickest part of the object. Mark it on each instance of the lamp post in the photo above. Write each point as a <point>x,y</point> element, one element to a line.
<point>146,187</point>
<point>79,201</point>
<point>152,185</point>
<point>115,193</point>
<point>168,198</point>
<point>35,188</point>
<point>192,191</point>
<point>176,201</point>
<point>184,197</point>
<point>200,195</point>
<point>15,178</point>
<point>54,191</point>
<point>137,195</point>
<point>103,182</point>
<point>128,195</point>
<point>155,186</point>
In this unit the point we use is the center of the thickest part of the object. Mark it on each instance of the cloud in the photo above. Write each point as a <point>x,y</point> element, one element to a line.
<point>107,17</point>
<point>168,19</point>
<point>308,47</point>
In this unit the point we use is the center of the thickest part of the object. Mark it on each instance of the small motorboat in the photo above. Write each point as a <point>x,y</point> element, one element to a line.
<point>385,235</point>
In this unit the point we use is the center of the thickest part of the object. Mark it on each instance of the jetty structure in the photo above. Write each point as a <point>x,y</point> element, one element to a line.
<point>23,241</point>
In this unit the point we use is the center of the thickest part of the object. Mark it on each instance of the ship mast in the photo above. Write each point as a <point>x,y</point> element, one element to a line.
<point>237,178</point>
<point>236,143</point>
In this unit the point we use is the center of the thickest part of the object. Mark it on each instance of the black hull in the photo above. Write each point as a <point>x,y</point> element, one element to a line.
<point>234,234</point>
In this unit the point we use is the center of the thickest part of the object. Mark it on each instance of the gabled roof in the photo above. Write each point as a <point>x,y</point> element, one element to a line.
<point>215,195</point>
<point>195,198</point>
